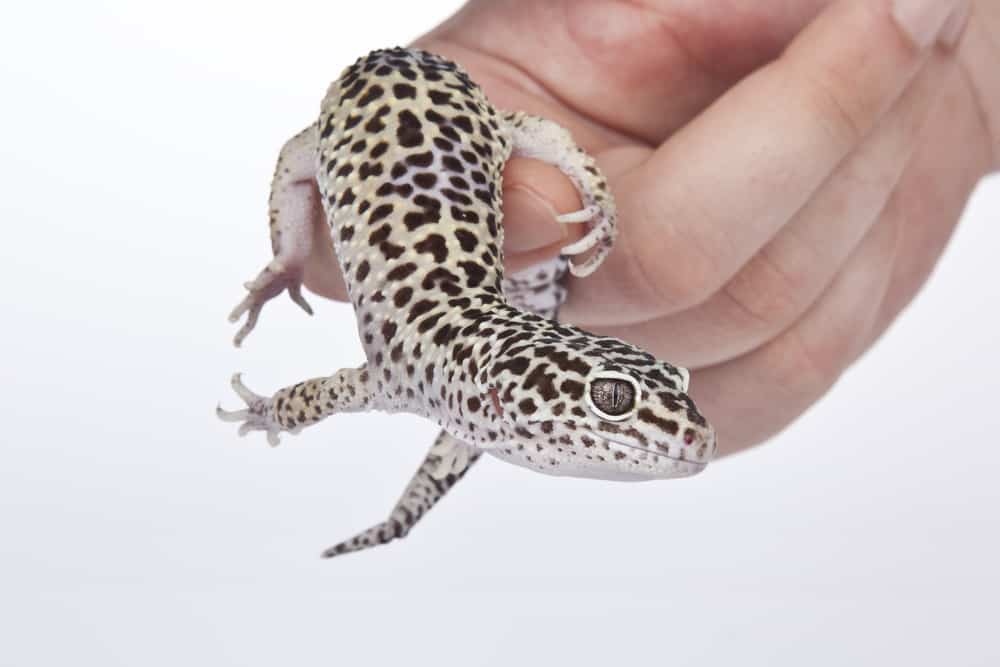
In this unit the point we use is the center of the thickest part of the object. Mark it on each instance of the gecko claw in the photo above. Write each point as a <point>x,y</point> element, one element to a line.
<point>257,416</point>
<point>585,214</point>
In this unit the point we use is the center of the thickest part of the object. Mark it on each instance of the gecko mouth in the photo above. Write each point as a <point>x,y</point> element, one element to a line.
<point>646,453</point>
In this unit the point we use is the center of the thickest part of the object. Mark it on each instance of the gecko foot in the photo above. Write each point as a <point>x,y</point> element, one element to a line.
<point>257,416</point>
<point>269,283</point>
<point>598,241</point>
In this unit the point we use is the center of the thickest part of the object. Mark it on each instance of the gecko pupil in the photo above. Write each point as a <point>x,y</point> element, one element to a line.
<point>612,396</point>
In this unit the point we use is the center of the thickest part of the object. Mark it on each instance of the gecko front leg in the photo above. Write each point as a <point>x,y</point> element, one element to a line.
<point>293,206</point>
<point>293,408</point>
<point>542,139</point>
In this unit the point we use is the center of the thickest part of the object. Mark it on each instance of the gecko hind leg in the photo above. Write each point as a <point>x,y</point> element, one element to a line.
<point>293,205</point>
<point>542,139</point>
<point>447,462</point>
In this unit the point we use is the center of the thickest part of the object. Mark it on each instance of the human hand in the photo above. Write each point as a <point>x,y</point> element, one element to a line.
<point>772,238</point>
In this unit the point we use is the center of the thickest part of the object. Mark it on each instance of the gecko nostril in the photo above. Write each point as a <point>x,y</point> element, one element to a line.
<point>689,436</point>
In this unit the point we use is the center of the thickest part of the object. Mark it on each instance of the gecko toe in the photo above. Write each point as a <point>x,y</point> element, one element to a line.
<point>231,415</point>
<point>295,292</point>
<point>585,214</point>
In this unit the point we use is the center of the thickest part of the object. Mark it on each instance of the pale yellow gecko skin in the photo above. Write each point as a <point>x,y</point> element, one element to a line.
<point>406,160</point>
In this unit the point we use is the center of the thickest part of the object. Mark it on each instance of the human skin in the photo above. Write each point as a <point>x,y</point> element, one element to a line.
<point>787,174</point>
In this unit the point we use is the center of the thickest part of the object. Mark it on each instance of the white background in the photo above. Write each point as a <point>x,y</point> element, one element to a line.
<point>136,530</point>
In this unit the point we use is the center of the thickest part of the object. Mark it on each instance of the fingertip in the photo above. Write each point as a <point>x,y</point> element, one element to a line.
<point>535,193</point>
<point>529,221</point>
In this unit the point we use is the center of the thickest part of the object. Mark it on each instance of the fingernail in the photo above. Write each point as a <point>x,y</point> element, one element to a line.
<point>529,221</point>
<point>922,20</point>
<point>955,25</point>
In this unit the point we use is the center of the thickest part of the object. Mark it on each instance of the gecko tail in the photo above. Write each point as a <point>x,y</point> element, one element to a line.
<point>447,462</point>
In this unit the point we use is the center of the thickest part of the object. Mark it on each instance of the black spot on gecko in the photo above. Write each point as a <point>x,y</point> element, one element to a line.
<point>439,96</point>
<point>380,212</point>
<point>409,132</point>
<point>543,381</point>
<point>435,117</point>
<point>419,308</point>
<point>464,215</point>
<point>362,271</point>
<point>444,335</point>
<point>388,330</point>
<point>354,89</point>
<point>425,180</point>
<point>391,250</point>
<point>424,159</point>
<point>452,163</point>
<point>466,239</point>
<point>435,245</point>
<point>474,272</point>
<point>442,279</point>
<point>484,196</point>
<point>369,169</point>
<point>379,235</point>
<point>455,197</point>
<point>396,353</point>
<point>517,366</point>
<point>574,389</point>
<point>463,123</point>
<point>402,272</point>
<point>403,91</point>
<point>402,296</point>
<point>372,94</point>
<point>415,219</point>
<point>429,322</point>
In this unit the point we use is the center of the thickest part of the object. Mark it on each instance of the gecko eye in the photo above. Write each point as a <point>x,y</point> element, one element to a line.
<point>612,396</point>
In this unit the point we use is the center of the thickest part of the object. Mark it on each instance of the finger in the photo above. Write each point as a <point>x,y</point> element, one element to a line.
<point>534,194</point>
<point>937,184</point>
<point>778,284</point>
<point>669,60</point>
<point>715,193</point>
<point>754,396</point>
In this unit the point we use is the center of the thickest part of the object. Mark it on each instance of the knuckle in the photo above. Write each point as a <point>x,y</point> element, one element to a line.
<point>769,295</point>
<point>672,269</point>
<point>684,281</point>
<point>806,369</point>
<point>833,97</point>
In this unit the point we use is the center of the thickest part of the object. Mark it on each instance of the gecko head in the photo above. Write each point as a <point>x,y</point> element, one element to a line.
<point>599,407</point>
